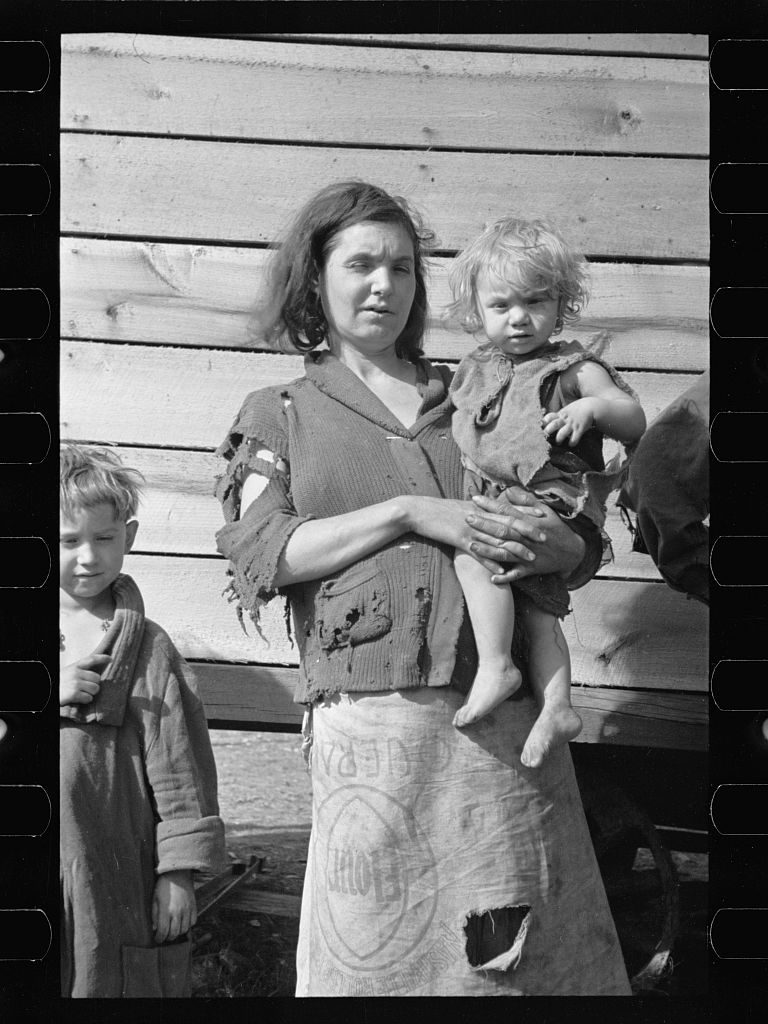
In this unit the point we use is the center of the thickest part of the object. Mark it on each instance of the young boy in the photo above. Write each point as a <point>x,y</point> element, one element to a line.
<point>139,810</point>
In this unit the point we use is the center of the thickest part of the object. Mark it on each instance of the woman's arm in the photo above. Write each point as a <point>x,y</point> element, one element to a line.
<point>598,402</point>
<point>320,547</point>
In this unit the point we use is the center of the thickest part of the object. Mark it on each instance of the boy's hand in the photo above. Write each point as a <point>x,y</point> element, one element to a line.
<point>572,421</point>
<point>81,681</point>
<point>174,909</point>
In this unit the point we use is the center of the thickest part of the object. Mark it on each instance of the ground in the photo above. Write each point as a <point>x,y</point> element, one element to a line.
<point>265,799</point>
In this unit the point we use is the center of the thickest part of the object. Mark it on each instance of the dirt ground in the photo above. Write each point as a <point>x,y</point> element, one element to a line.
<point>265,799</point>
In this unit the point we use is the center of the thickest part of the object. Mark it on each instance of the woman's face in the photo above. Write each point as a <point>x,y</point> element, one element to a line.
<point>367,287</point>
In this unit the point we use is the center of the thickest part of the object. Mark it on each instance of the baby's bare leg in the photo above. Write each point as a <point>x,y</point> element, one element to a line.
<point>492,612</point>
<point>549,668</point>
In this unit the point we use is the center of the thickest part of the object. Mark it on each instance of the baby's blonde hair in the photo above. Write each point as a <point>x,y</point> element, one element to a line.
<point>527,254</point>
<point>90,476</point>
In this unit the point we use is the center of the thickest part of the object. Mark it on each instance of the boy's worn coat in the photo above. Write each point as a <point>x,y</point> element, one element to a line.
<point>138,798</point>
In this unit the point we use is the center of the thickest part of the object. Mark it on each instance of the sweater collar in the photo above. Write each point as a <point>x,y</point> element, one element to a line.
<point>337,381</point>
<point>122,642</point>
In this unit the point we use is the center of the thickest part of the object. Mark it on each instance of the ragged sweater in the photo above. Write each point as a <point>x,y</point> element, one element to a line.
<point>137,799</point>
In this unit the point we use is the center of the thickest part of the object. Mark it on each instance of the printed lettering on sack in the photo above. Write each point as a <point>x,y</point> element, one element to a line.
<point>364,876</point>
<point>439,956</point>
<point>373,758</point>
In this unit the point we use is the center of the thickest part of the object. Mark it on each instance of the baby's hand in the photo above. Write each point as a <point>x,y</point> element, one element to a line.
<point>81,681</point>
<point>571,422</point>
<point>174,909</point>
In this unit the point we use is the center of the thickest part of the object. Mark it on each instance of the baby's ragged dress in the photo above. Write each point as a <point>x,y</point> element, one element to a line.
<point>497,423</point>
<point>438,864</point>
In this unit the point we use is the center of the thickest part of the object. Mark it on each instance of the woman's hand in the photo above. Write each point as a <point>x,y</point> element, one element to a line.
<point>499,527</point>
<point>456,524</point>
<point>174,909</point>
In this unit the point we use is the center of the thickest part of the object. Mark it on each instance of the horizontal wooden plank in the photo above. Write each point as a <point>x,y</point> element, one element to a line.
<point>260,901</point>
<point>640,635</point>
<point>674,721</point>
<point>169,294</point>
<point>162,188</point>
<point>179,514</point>
<point>242,695</point>
<point>669,44</point>
<point>491,101</point>
<point>637,635</point>
<point>186,596</point>
<point>148,394</point>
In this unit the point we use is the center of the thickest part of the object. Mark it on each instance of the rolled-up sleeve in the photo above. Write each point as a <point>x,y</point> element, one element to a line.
<point>179,764</point>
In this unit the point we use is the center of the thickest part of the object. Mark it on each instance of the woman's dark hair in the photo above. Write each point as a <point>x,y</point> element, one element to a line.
<point>290,314</point>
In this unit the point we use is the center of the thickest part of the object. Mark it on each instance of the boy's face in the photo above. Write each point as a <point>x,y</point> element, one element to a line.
<point>92,546</point>
<point>517,321</point>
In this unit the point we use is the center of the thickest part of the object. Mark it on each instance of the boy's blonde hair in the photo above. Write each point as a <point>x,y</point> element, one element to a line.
<point>90,476</point>
<point>529,255</point>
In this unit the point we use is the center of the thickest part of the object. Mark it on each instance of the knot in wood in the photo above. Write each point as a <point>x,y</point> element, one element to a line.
<point>628,119</point>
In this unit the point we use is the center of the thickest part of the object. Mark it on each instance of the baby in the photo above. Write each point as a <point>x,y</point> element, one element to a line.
<point>138,798</point>
<point>533,411</point>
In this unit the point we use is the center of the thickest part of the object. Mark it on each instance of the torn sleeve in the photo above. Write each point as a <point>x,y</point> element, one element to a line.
<point>259,428</point>
<point>253,544</point>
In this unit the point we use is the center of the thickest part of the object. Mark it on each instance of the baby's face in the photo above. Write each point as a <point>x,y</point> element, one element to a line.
<point>516,321</point>
<point>92,546</point>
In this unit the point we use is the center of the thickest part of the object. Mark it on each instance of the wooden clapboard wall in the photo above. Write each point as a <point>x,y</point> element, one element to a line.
<point>182,157</point>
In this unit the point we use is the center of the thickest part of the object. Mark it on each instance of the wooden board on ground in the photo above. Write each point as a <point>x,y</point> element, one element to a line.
<point>260,901</point>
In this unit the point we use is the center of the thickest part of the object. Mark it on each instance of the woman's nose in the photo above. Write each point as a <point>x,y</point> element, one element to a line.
<point>382,281</point>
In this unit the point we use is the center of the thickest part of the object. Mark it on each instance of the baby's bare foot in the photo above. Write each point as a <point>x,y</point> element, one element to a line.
<point>557,724</point>
<point>489,689</point>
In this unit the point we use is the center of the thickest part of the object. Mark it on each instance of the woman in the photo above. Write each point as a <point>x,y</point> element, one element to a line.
<point>438,864</point>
